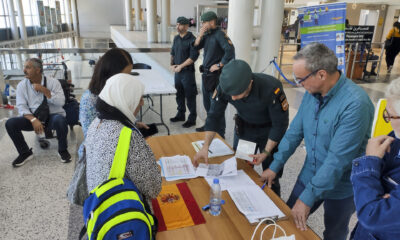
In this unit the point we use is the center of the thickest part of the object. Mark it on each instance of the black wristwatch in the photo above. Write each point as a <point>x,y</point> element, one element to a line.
<point>219,65</point>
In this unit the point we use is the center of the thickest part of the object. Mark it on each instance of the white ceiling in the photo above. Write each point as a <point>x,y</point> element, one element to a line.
<point>299,3</point>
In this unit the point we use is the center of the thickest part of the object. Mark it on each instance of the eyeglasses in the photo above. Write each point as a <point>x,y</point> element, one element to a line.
<point>387,117</point>
<point>298,81</point>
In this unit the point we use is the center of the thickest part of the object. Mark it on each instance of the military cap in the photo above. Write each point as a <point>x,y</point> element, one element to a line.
<point>208,16</point>
<point>235,77</point>
<point>182,20</point>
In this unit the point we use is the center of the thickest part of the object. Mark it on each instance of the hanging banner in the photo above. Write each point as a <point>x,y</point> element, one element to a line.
<point>54,20</point>
<point>42,18</point>
<point>58,13</point>
<point>325,24</point>
<point>48,19</point>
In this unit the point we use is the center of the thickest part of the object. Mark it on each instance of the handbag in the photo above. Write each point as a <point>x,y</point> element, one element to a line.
<point>389,42</point>
<point>77,191</point>
<point>43,112</point>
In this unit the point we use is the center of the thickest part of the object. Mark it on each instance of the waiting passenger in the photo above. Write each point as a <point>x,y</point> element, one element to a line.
<point>31,93</point>
<point>334,119</point>
<point>117,104</point>
<point>393,48</point>
<point>376,178</point>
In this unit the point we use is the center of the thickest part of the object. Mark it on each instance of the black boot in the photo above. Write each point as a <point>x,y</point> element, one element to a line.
<point>178,118</point>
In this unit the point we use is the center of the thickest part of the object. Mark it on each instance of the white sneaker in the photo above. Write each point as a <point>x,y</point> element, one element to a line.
<point>389,69</point>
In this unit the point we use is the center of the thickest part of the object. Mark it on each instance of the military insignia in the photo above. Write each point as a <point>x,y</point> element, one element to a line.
<point>214,94</point>
<point>277,91</point>
<point>230,42</point>
<point>285,105</point>
<point>280,95</point>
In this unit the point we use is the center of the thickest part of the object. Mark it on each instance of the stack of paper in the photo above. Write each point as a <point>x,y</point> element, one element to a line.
<point>177,167</point>
<point>217,148</point>
<point>227,168</point>
<point>244,149</point>
<point>254,203</point>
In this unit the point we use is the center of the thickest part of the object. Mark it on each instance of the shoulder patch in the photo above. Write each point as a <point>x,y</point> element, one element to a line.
<point>281,97</point>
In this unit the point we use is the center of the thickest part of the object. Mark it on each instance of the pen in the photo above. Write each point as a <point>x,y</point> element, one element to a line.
<point>210,151</point>
<point>206,207</point>
<point>263,186</point>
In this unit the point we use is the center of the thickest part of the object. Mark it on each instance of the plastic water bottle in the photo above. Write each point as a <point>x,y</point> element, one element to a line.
<point>215,198</point>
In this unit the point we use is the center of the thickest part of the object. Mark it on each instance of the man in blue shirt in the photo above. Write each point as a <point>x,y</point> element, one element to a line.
<point>183,56</point>
<point>30,94</point>
<point>334,119</point>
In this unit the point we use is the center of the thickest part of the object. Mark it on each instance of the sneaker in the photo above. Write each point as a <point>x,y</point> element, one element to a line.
<point>23,158</point>
<point>189,124</point>
<point>65,156</point>
<point>177,118</point>
<point>200,129</point>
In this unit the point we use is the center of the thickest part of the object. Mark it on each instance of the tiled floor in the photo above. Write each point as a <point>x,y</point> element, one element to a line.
<point>32,197</point>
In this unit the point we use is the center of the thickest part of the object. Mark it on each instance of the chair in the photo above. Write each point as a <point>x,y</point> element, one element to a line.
<point>143,66</point>
<point>379,126</point>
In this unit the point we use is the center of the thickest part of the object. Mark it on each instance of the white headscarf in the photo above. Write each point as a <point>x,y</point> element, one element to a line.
<point>123,91</point>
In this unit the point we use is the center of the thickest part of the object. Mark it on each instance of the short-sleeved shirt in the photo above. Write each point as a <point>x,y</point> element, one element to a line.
<point>182,49</point>
<point>266,103</point>
<point>217,48</point>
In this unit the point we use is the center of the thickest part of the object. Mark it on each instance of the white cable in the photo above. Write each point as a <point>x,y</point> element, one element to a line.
<point>272,224</point>
<point>273,236</point>
<point>258,225</point>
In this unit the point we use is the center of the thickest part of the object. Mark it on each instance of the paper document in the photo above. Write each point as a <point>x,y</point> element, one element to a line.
<point>226,182</point>
<point>244,149</point>
<point>217,148</point>
<point>177,167</point>
<point>254,203</point>
<point>227,168</point>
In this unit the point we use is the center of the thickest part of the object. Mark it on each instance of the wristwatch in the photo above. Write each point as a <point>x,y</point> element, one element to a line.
<point>219,65</point>
<point>266,152</point>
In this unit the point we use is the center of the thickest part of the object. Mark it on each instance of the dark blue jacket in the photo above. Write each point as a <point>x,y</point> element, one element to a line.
<point>372,177</point>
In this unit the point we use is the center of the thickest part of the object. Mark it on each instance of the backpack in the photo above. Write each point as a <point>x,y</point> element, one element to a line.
<point>115,208</point>
<point>71,106</point>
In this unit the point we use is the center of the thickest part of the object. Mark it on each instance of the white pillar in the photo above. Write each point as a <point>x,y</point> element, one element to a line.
<point>14,29</point>
<point>165,20</point>
<point>271,24</point>
<point>68,20</point>
<point>240,31</point>
<point>2,85</point>
<point>137,15</point>
<point>128,15</point>
<point>240,27</point>
<point>152,33</point>
<point>75,22</point>
<point>22,27</point>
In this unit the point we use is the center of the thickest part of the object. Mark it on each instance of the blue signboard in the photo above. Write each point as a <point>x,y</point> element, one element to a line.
<point>325,24</point>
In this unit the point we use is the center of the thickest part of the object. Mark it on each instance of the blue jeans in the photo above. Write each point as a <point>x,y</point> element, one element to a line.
<point>337,213</point>
<point>16,125</point>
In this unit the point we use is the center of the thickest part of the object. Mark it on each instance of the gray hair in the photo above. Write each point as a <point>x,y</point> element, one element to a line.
<point>393,93</point>
<point>318,57</point>
<point>36,62</point>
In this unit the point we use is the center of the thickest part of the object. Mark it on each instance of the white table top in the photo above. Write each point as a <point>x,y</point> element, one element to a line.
<point>154,82</point>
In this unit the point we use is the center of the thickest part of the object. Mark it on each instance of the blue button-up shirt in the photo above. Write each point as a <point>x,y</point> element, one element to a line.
<point>372,177</point>
<point>28,99</point>
<point>335,129</point>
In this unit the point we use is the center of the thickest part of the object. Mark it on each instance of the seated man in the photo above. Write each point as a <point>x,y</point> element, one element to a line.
<point>376,177</point>
<point>30,93</point>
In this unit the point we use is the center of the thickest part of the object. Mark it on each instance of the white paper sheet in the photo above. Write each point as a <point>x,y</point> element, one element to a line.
<point>217,148</point>
<point>245,148</point>
<point>177,167</point>
<point>226,182</point>
<point>227,168</point>
<point>254,203</point>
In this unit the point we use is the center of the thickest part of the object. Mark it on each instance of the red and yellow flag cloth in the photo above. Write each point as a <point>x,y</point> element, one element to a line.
<point>175,208</point>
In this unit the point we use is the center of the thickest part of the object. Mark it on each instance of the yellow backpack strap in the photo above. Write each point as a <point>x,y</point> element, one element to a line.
<point>121,154</point>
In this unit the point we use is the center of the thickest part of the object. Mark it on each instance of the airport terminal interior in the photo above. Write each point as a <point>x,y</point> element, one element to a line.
<point>71,35</point>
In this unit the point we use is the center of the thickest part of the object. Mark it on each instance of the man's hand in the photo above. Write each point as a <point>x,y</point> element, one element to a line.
<point>202,154</point>
<point>178,68</point>
<point>142,125</point>
<point>172,67</point>
<point>214,68</point>
<point>203,30</point>
<point>269,176</point>
<point>37,126</point>
<point>42,89</point>
<point>378,146</point>
<point>300,212</point>
<point>258,158</point>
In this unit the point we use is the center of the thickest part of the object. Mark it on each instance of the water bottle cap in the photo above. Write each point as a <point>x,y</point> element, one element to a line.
<point>216,180</point>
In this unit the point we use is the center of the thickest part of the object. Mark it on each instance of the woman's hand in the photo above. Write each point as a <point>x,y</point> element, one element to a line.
<point>142,125</point>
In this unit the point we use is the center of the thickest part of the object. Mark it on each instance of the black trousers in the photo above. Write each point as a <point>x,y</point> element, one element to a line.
<point>186,90</point>
<point>392,51</point>
<point>16,125</point>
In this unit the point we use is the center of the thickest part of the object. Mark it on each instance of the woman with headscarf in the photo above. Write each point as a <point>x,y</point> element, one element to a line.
<point>118,103</point>
<point>376,178</point>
